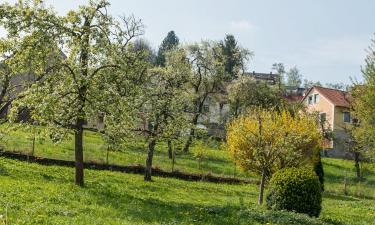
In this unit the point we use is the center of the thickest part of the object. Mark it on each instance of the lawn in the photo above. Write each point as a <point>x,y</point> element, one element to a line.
<point>35,194</point>
<point>215,161</point>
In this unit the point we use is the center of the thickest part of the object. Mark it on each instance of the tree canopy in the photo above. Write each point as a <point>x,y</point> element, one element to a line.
<point>264,141</point>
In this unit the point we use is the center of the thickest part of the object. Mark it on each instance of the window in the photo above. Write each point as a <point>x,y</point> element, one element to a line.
<point>323,117</point>
<point>206,108</point>
<point>346,117</point>
<point>310,100</point>
<point>316,98</point>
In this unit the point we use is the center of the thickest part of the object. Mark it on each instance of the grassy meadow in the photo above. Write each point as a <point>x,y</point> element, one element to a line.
<point>35,194</point>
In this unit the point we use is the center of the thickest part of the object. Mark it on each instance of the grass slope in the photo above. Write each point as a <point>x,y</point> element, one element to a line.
<point>35,194</point>
<point>216,161</point>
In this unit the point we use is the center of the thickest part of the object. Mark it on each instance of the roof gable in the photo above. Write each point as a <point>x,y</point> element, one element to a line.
<point>336,97</point>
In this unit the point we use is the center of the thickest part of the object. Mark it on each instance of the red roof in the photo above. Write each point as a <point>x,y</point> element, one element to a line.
<point>336,97</point>
<point>293,98</point>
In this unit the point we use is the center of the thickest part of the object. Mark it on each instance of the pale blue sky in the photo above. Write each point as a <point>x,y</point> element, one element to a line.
<point>325,39</point>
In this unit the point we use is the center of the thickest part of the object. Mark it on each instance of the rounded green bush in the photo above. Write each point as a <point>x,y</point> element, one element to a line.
<point>295,189</point>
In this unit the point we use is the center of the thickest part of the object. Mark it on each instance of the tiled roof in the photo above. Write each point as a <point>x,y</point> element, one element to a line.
<point>336,97</point>
<point>293,98</point>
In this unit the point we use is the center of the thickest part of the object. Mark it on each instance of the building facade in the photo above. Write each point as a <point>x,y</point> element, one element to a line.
<point>333,107</point>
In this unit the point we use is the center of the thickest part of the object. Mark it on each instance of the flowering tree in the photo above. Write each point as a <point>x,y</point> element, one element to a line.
<point>166,93</point>
<point>86,62</point>
<point>265,141</point>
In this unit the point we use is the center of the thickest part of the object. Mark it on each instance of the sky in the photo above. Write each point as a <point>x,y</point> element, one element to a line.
<point>326,40</point>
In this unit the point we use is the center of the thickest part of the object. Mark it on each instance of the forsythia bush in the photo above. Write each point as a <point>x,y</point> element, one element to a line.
<point>264,141</point>
<point>295,189</point>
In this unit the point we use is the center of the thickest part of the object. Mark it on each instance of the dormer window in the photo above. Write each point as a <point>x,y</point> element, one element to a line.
<point>316,98</point>
<point>310,100</point>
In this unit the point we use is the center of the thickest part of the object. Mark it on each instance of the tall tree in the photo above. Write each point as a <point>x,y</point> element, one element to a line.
<point>280,69</point>
<point>170,42</point>
<point>208,75</point>
<point>294,78</point>
<point>309,83</point>
<point>364,107</point>
<point>88,66</point>
<point>164,103</point>
<point>235,57</point>
<point>245,93</point>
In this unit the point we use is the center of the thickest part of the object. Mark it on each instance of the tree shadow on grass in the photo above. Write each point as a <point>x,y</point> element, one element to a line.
<point>3,171</point>
<point>150,208</point>
<point>339,197</point>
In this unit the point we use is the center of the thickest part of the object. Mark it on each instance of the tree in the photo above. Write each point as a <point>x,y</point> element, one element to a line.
<point>280,69</point>
<point>308,84</point>
<point>338,86</point>
<point>245,93</point>
<point>236,57</point>
<point>164,103</point>
<point>264,141</point>
<point>208,76</point>
<point>364,107</point>
<point>170,42</point>
<point>294,78</point>
<point>142,45</point>
<point>87,64</point>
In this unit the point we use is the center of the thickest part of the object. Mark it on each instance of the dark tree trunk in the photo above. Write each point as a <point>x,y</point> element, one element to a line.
<point>356,164</point>
<point>33,147</point>
<point>79,152</point>
<point>107,161</point>
<point>170,150</point>
<point>150,154</point>
<point>191,134</point>
<point>261,187</point>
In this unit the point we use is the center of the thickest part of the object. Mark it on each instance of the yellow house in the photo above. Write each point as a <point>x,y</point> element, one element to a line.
<point>334,108</point>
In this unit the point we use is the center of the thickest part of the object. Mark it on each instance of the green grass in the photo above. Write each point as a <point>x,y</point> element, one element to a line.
<point>34,194</point>
<point>216,160</point>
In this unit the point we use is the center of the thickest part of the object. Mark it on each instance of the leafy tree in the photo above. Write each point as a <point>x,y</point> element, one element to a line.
<point>364,107</point>
<point>294,78</point>
<point>87,63</point>
<point>245,92</point>
<point>208,76</point>
<point>280,69</point>
<point>338,86</point>
<point>235,56</point>
<point>164,102</point>
<point>308,83</point>
<point>170,42</point>
<point>142,45</point>
<point>265,141</point>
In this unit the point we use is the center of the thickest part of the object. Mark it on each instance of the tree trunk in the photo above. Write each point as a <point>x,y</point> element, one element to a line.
<point>173,160</point>
<point>357,167</point>
<point>79,152</point>
<point>150,154</point>
<point>107,161</point>
<point>170,150</point>
<point>261,187</point>
<point>33,146</point>
<point>191,134</point>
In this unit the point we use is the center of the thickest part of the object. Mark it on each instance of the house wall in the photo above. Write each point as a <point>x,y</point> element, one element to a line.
<point>340,134</point>
<point>322,106</point>
<point>335,120</point>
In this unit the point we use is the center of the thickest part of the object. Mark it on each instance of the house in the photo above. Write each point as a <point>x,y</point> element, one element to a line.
<point>333,107</point>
